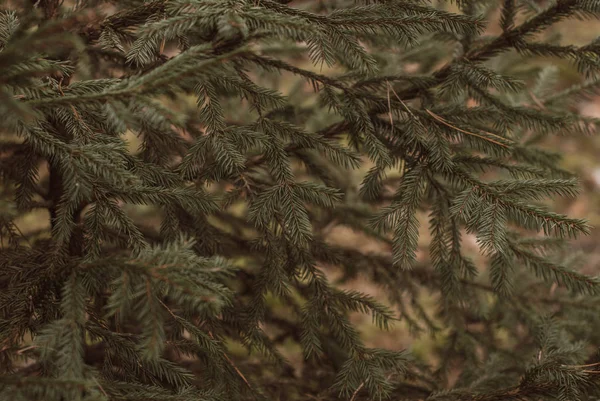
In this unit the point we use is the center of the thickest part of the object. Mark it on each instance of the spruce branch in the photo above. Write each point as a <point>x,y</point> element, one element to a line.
<point>196,183</point>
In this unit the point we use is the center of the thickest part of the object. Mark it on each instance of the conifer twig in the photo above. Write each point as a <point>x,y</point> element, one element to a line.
<point>211,336</point>
<point>356,391</point>
<point>389,105</point>
<point>404,104</point>
<point>239,372</point>
<point>441,120</point>
<point>589,365</point>
<point>100,387</point>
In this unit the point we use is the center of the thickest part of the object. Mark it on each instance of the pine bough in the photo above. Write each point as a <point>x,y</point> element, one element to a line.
<point>157,260</point>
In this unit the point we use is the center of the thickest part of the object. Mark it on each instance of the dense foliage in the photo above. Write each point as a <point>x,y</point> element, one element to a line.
<point>254,118</point>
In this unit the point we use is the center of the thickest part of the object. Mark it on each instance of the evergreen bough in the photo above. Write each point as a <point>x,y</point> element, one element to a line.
<point>242,170</point>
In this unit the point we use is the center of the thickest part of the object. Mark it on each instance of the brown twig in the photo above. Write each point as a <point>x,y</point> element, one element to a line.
<point>356,391</point>
<point>233,365</point>
<point>404,104</point>
<point>537,101</point>
<point>589,365</point>
<point>23,350</point>
<point>389,105</point>
<point>211,336</point>
<point>100,387</point>
<point>446,123</point>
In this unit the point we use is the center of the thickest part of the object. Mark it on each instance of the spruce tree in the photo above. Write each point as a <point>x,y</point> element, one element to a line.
<point>186,161</point>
